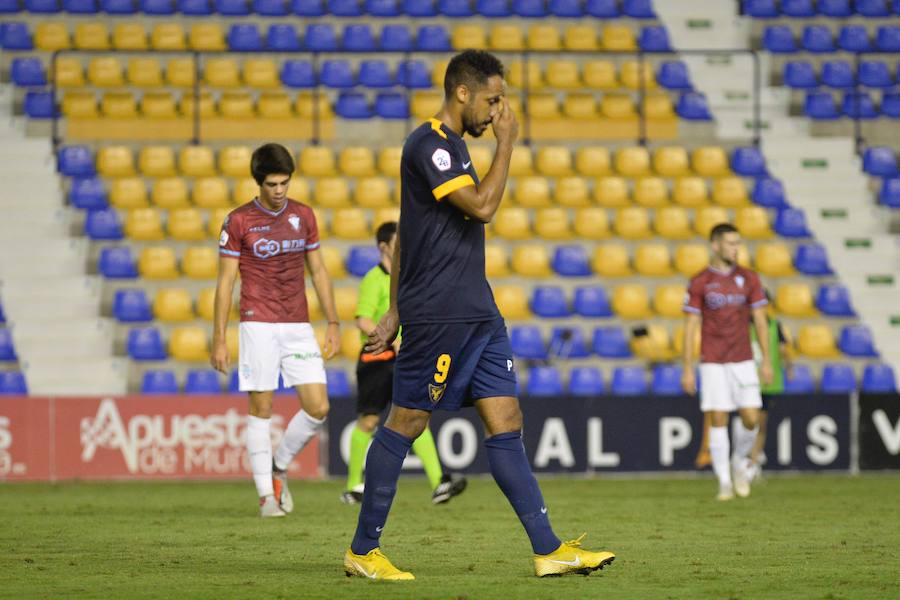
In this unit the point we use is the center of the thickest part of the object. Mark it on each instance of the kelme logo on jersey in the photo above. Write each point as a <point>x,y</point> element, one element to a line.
<point>436,392</point>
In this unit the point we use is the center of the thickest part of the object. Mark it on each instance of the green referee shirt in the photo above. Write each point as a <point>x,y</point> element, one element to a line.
<point>374,296</point>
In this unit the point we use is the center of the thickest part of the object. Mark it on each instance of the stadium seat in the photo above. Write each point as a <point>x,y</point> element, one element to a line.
<point>375,74</point>
<point>666,380</point>
<point>105,72</point>
<point>372,192</point>
<point>838,74</point>
<point>531,260</point>
<point>157,7</point>
<point>799,74</point>
<point>455,8</point>
<point>298,74</point>
<point>769,193</point>
<point>651,192</point>
<point>350,223</point>
<point>159,381</point>
<point>816,341</point>
<point>282,37</point>
<point>552,224</point>
<point>181,72</point>
<point>185,224</point>
<point>189,344</point>
<point>753,223</point>
<point>611,192</point>
<point>854,38</point>
<point>880,161</point>
<point>526,342</point>
<point>345,299</point>
<point>707,217</point>
<point>118,105</point>
<point>103,224</point>
<point>433,38</point>
<point>75,105</point>
<point>673,223</point>
<point>654,38</point>
<point>338,385</point>
<point>811,259</point>
<point>653,260</point>
<point>628,381</point>
<point>353,105</point>
<point>611,260</point>
<point>169,192</point>
<point>261,74</point>
<point>131,306</point>
<point>532,192</point>
<point>791,223</point>
<point>392,106</point>
<point>875,74</point>
<point>115,161</point>
<point>632,223</point>
<point>774,260</point>
<point>144,224</point>
<point>88,193</point>
<point>748,161</point>
<point>710,161</point>
<point>334,262</point>
<point>671,161</point>
<point>610,342</point>
<point>668,300</point>
<point>496,261</point>
<point>568,261</point>
<point>116,263</point>
<point>145,343</point>
<point>730,192</point>
<point>572,192</point>
<point>202,381</point>
<point>818,39</point>
<point>631,301</point>
<point>619,107</point>
<point>834,300</point>
<point>889,195</point>
<point>156,161</point>
<point>593,161</point>
<point>91,36</point>
<point>878,379</point>
<point>317,161</point>
<point>75,161</point>
<point>690,259</point>
<point>200,262</point>
<point>396,38</point>
<point>167,36</point>
<point>567,343</point>
<point>197,161</point>
<point>887,38</point>
<point>12,383</point>
<point>332,192</point>
<point>591,301</point>
<point>858,105</point>
<point>158,105</point>
<point>690,192</point>
<point>586,381</point>
<point>210,192</point>
<point>838,378</point>
<point>173,305</point>
<point>541,37</point>
<point>795,300</point>
<point>544,381</point>
<point>632,162</point>
<point>600,75</point>
<point>834,8</point>
<point>618,38</point>
<point>512,302</point>
<point>549,302</point>
<point>799,380</point>
<point>512,223</point>
<point>158,263</point>
<point>693,106</point>
<point>856,340</point>
<point>779,39</point>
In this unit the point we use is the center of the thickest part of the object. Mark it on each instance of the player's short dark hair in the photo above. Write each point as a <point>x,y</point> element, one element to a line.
<point>471,68</point>
<point>271,159</point>
<point>720,230</point>
<point>386,232</point>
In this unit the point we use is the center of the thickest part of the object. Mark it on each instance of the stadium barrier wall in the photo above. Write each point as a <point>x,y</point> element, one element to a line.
<point>879,431</point>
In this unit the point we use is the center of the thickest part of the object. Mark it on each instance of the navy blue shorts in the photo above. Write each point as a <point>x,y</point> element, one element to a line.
<point>446,365</point>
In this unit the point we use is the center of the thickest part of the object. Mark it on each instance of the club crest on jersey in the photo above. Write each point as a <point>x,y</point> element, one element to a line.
<point>441,159</point>
<point>294,220</point>
<point>436,392</point>
<point>739,280</point>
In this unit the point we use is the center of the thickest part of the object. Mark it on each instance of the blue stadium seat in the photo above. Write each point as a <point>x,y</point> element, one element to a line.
<point>493,8</point>
<point>817,38</point>
<point>834,8</point>
<point>194,8</point>
<point>568,342</point>
<point>654,38</point>
<point>586,381</point>
<point>283,37</point>
<point>890,192</point>
<point>838,378</point>
<point>873,8</point>
<point>308,8</point>
<point>2,316</point>
<point>638,9</point>
<point>875,74</point>
<point>146,343</point>
<point>811,259</point>
<point>629,381</point>
<point>549,301</point>
<point>202,381</point>
<point>132,306</point>
<point>283,389</point>
<point>296,73</point>
<point>838,74</point>
<point>12,383</point>
<point>791,222</point>
<point>359,38</point>
<point>880,161</point>
<point>799,74</point>
<point>856,340</point>
<point>769,193</point>
<point>337,73</point>
<point>15,36</point>
<point>833,300</point>
<point>859,105</point>
<point>321,37</point>
<point>375,74</point>
<point>157,7</point>
<point>779,39</point>
<point>879,379</point>
<point>571,261</point>
<point>382,8</point>
<point>362,259</point>
<point>88,193</point>
<point>692,106</point>
<point>433,38</point>
<point>896,7</point>
<point>234,383</point>
<point>666,380</point>
<point>414,74</point>
<point>233,8</point>
<point>673,75</point>
<point>854,38</point>
<point>748,161</point>
<point>244,37</point>
<point>8,7</point>
<point>118,7</point>
<point>611,342</point>
<point>760,9</point>
<point>800,381</point>
<point>566,9</point>
<point>419,8</point>
<point>532,9</point>
<point>345,8</point>
<point>103,224</point>
<point>455,8</point>
<point>602,9</point>
<point>75,161</point>
<point>353,105</point>
<point>159,381</point>
<point>271,8</point>
<point>396,38</point>
<point>80,7</point>
<point>887,38</point>
<point>42,6</point>
<point>391,105</point>
<point>526,342</point>
<point>890,104</point>
<point>800,9</point>
<point>820,105</point>
<point>40,105</point>
<point>117,263</point>
<point>591,301</point>
<point>27,72</point>
<point>544,381</point>
<point>7,348</point>
<point>338,385</point>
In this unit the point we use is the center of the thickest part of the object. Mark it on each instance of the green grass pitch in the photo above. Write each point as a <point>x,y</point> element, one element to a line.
<point>796,537</point>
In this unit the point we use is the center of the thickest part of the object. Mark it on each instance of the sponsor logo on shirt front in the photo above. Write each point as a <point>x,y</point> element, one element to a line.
<point>715,300</point>
<point>265,248</point>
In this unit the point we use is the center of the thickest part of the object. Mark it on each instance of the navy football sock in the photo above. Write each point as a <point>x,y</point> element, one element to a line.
<point>511,471</point>
<point>383,464</point>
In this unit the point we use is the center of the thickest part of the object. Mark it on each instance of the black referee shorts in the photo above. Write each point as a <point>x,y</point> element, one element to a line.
<point>375,380</point>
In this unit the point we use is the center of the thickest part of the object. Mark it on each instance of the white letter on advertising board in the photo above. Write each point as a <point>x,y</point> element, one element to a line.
<point>785,452</point>
<point>823,447</point>
<point>596,456</point>
<point>554,445</point>
<point>674,434</point>
<point>890,434</point>
<point>469,439</point>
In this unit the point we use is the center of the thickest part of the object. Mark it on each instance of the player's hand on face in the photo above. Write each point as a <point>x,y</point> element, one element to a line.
<point>688,382</point>
<point>219,358</point>
<point>384,334</point>
<point>504,122</point>
<point>332,340</point>
<point>765,373</point>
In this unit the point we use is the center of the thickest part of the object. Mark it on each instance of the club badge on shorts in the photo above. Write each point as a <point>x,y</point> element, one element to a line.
<point>436,392</point>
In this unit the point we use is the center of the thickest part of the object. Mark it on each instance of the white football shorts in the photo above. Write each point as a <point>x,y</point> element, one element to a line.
<point>269,348</point>
<point>726,387</point>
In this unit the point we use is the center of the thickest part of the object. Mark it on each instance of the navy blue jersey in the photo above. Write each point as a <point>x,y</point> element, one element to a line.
<point>442,276</point>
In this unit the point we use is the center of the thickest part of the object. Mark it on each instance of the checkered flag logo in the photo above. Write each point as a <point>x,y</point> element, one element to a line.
<point>106,430</point>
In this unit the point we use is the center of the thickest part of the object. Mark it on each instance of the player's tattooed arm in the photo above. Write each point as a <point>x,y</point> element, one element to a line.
<point>228,270</point>
<point>382,337</point>
<point>322,284</point>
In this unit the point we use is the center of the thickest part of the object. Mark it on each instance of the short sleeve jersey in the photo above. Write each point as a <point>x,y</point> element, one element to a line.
<point>374,296</point>
<point>442,278</point>
<point>271,248</point>
<point>724,300</point>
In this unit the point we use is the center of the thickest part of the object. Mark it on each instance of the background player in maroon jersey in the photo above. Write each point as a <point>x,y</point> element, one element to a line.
<point>720,300</point>
<point>271,240</point>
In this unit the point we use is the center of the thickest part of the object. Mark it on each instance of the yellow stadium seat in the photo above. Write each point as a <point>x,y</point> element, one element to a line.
<point>651,192</point>
<point>655,346</point>
<point>158,105</point>
<point>611,192</point>
<point>351,343</point>
<point>426,104</point>
<point>512,302</point>
<point>173,305</point>
<point>222,72</point>
<point>210,192</point>
<point>544,38</point>
<point>261,73</point>
<point>350,223</point>
<point>673,223</point>
<point>144,72</point>
<point>653,260</point>
<point>774,260</point>
<point>481,157</point>
<point>234,161</point>
<point>91,36</point>
<point>181,72</point>
<point>618,38</point>
<point>671,161</point>
<point>600,75</point>
<point>130,36</point>
<point>632,162</point>
<point>158,262</point>
<point>580,106</point>
<point>531,260</point>
<point>119,105</point>
<point>189,344</point>
<point>496,261</point>
<point>306,108</point>
<point>678,340</point>
<point>668,300</point>
<point>469,36</point>
<point>313,306</point>
<point>105,71</point>
<point>521,162</point>
<point>437,73</point>
<point>128,192</point>
<point>506,37</point>
<point>207,37</point>
<point>186,224</point>
<point>236,105</point>
<point>743,257</point>
<point>658,106</point>
<point>201,262</point>
<point>322,223</point>
<point>617,106</point>
<point>389,160</point>
<point>581,37</point>
<point>730,191</point>
<point>79,105</point>
<point>68,72</point>
<point>592,223</point>
<point>144,224</point>
<point>593,161</point>
<point>168,36</point>
<point>207,105</point>
<point>572,192</point>
<point>216,218</point>
<point>357,161</point>
<point>816,341</point>
<point>631,301</point>
<point>331,192</point>
<point>630,75</point>
<point>345,299</point>
<point>232,341</point>
<point>753,223</point>
<point>333,261</point>
<point>512,224</point>
<point>795,300</point>
<point>170,192</point>
<point>707,217</point>
<point>197,161</point>
<point>246,189</point>
<point>552,224</point>
<point>156,161</point>
<point>710,161</point>
<point>611,260</point>
<point>385,215</point>
<point>690,191</point>
<point>563,74</point>
<point>317,161</point>
<point>532,192</point>
<point>51,37</point>
<point>206,304</point>
<point>542,105</point>
<point>632,223</point>
<point>372,192</point>
<point>690,259</point>
<point>299,190</point>
<point>274,105</point>
<point>115,161</point>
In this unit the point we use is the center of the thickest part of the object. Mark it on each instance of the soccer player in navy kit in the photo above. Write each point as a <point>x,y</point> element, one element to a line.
<point>455,347</point>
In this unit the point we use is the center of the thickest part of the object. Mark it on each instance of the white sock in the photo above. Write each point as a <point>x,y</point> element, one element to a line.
<point>719,450</point>
<point>259,449</point>
<point>743,441</point>
<point>298,433</point>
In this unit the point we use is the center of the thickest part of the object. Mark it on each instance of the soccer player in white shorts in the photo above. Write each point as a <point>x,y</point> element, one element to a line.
<point>271,241</point>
